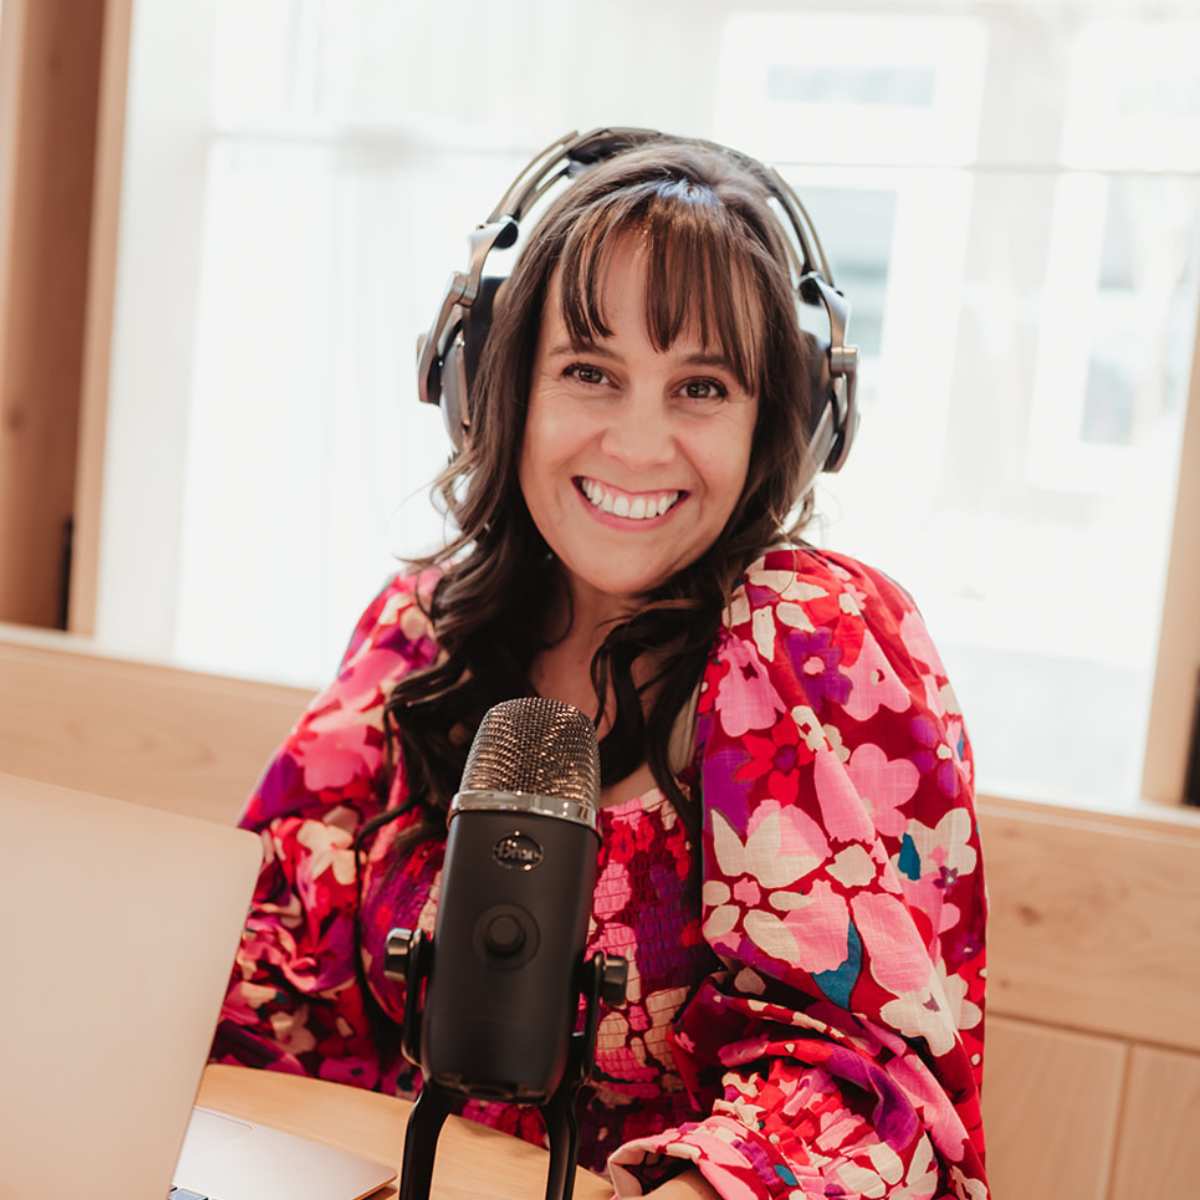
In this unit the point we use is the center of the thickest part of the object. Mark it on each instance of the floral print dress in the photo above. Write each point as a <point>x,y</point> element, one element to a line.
<point>810,1026</point>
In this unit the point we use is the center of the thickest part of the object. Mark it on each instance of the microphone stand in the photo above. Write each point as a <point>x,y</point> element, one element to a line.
<point>409,959</point>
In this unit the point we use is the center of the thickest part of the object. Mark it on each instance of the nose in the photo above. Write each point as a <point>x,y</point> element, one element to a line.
<point>639,434</point>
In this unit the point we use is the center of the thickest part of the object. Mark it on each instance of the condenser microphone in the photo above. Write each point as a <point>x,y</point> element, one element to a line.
<point>516,893</point>
<point>503,978</point>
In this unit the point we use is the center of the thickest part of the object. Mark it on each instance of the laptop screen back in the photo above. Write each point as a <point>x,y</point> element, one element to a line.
<point>118,929</point>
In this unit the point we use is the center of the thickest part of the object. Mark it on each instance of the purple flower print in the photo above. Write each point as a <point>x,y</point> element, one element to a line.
<point>723,791</point>
<point>816,660</point>
<point>947,877</point>
<point>419,651</point>
<point>936,757</point>
<point>895,1122</point>
<point>281,787</point>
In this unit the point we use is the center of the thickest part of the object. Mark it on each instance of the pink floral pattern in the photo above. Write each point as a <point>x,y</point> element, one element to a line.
<point>813,1028</point>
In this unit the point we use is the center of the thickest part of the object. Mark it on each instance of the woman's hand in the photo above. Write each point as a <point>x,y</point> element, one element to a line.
<point>688,1186</point>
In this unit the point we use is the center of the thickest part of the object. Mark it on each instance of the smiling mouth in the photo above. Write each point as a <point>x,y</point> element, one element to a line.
<point>645,506</point>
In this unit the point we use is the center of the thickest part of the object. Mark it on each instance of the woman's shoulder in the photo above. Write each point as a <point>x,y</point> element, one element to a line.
<point>335,747</point>
<point>806,612</point>
<point>809,584</point>
<point>397,619</point>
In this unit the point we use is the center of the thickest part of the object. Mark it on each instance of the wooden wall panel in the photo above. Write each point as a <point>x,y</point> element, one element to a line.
<point>1051,1099</point>
<point>53,47</point>
<point>1095,922</point>
<point>173,739</point>
<point>1159,1140</point>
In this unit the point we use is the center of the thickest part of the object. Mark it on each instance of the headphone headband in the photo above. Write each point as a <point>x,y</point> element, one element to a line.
<point>448,355</point>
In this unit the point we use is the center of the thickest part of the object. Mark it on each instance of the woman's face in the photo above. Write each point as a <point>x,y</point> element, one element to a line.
<point>632,459</point>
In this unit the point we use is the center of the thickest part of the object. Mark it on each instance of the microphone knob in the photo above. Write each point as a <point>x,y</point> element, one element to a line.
<point>504,936</point>
<point>613,980</point>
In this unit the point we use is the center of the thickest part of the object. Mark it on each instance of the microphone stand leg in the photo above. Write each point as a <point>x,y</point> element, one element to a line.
<point>420,1141</point>
<point>562,1129</point>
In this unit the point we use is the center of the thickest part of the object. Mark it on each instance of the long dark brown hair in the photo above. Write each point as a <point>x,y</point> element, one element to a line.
<point>715,257</point>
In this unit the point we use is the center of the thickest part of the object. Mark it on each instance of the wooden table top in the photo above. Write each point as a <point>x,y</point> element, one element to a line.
<point>472,1162</point>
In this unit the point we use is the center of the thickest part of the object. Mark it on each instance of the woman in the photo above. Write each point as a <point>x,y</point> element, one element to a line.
<point>790,859</point>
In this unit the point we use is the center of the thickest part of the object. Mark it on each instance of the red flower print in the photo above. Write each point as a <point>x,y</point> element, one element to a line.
<point>621,845</point>
<point>644,834</point>
<point>779,755</point>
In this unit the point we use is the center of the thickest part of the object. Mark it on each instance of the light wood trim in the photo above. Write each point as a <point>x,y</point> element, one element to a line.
<point>1094,922</point>
<point>1158,1151</point>
<point>1146,817</point>
<point>1177,668</point>
<point>173,739</point>
<point>1041,1088</point>
<point>53,53</point>
<point>472,1160</point>
<point>12,42</point>
<point>101,299</point>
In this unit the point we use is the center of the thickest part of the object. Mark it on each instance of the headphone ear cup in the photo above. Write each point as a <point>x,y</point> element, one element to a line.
<point>823,408</point>
<point>477,324</point>
<point>455,409</point>
<point>461,365</point>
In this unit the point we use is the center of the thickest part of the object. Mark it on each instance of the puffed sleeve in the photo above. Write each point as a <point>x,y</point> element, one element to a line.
<point>843,891</point>
<point>294,1001</point>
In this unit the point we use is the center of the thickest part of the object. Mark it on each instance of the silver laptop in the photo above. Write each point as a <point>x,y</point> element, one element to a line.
<point>118,927</point>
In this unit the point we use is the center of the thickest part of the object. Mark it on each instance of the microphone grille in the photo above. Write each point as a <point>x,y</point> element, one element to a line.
<point>537,745</point>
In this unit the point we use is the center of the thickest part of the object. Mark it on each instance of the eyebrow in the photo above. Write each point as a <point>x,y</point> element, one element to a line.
<point>692,360</point>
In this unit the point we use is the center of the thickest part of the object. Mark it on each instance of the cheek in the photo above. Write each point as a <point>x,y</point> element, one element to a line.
<point>534,445</point>
<point>554,432</point>
<point>548,442</point>
<point>527,472</point>
<point>724,460</point>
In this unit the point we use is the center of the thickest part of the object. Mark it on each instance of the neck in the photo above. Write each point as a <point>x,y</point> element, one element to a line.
<point>583,617</point>
<point>592,615</point>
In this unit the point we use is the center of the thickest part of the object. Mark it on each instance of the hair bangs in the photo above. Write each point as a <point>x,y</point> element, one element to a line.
<point>584,258</point>
<point>700,275</point>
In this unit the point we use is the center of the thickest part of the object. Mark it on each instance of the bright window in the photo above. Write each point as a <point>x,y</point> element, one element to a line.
<point>1009,198</point>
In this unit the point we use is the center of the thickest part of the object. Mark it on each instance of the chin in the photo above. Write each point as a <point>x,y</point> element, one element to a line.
<point>622,587</point>
<point>625,585</point>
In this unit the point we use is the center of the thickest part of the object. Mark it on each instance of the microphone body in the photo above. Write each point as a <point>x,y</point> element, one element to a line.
<point>512,921</point>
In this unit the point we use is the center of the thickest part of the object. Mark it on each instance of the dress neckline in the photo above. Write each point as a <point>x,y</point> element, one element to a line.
<point>648,801</point>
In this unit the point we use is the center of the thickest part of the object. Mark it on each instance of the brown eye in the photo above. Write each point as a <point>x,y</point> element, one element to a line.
<point>717,391</point>
<point>584,373</point>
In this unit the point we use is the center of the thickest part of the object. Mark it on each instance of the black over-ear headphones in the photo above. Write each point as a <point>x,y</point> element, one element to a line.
<point>448,355</point>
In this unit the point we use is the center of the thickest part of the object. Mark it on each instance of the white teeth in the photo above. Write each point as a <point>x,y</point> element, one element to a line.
<point>641,508</point>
